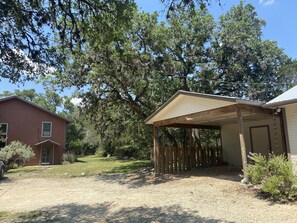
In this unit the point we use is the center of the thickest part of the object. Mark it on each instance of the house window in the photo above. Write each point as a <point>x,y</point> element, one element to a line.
<point>46,129</point>
<point>3,134</point>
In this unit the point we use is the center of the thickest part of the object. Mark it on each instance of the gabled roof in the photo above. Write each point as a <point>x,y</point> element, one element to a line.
<point>47,140</point>
<point>34,105</point>
<point>287,97</point>
<point>185,102</point>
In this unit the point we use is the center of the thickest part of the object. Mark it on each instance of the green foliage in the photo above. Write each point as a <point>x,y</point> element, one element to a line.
<point>50,100</point>
<point>105,150</point>
<point>247,65</point>
<point>31,29</point>
<point>126,151</point>
<point>126,78</point>
<point>75,146</point>
<point>16,152</point>
<point>136,151</point>
<point>257,170</point>
<point>275,176</point>
<point>68,158</point>
<point>133,63</point>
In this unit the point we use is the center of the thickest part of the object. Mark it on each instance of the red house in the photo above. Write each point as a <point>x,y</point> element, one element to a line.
<point>35,126</point>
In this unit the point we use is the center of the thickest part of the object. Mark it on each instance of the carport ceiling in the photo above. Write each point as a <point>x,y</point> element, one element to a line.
<point>217,117</point>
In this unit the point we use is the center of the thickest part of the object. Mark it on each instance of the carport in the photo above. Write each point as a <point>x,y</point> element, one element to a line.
<point>242,124</point>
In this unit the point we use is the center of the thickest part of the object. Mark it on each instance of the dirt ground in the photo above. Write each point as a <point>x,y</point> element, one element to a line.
<point>208,195</point>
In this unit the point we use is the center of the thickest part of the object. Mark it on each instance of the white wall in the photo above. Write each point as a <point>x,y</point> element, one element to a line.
<point>291,116</point>
<point>231,144</point>
<point>187,104</point>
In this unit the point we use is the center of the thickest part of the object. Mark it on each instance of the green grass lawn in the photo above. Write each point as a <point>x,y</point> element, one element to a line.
<point>85,166</point>
<point>12,217</point>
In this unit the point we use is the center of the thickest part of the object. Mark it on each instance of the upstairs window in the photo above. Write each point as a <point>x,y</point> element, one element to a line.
<point>3,134</point>
<point>46,129</point>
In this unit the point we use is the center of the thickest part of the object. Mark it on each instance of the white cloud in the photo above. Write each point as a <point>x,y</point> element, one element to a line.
<point>266,2</point>
<point>76,101</point>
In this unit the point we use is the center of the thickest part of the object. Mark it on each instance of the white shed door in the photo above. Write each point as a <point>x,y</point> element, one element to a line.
<point>260,140</point>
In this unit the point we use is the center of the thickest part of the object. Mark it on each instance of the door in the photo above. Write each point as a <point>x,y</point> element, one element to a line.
<point>260,140</point>
<point>46,154</point>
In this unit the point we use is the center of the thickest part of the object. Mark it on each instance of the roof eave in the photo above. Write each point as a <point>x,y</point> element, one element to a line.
<point>217,97</point>
<point>280,103</point>
<point>35,105</point>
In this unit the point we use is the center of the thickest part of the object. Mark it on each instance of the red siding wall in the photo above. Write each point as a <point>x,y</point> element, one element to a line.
<point>25,125</point>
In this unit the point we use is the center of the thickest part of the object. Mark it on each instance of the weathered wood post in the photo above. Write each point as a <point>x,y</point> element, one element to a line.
<point>190,149</point>
<point>242,142</point>
<point>156,151</point>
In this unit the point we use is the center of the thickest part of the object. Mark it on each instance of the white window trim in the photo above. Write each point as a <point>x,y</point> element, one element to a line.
<point>6,133</point>
<point>50,135</point>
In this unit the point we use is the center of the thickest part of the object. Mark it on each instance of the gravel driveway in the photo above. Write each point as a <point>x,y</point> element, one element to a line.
<point>209,195</point>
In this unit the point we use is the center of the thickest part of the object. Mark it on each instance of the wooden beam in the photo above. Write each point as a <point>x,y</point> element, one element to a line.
<point>186,121</point>
<point>192,126</point>
<point>284,133</point>
<point>202,116</point>
<point>242,141</point>
<point>250,109</point>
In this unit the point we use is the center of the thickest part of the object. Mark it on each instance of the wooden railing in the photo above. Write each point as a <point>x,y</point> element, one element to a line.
<point>177,160</point>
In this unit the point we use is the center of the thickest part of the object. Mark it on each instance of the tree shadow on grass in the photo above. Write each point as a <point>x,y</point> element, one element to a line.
<point>131,167</point>
<point>25,171</point>
<point>79,161</point>
<point>104,213</point>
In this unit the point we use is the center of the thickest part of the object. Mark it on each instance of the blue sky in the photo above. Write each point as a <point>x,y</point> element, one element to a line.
<point>280,17</point>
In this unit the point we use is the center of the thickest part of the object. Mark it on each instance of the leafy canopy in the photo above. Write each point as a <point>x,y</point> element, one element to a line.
<point>30,30</point>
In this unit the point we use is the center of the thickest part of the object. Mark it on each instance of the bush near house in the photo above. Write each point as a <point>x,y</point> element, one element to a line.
<point>274,176</point>
<point>68,158</point>
<point>16,153</point>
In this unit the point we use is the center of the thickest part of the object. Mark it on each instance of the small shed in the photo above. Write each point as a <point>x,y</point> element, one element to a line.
<point>287,103</point>
<point>245,126</point>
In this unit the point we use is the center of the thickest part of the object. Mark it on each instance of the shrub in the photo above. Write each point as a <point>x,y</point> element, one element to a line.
<point>257,170</point>
<point>125,151</point>
<point>76,146</point>
<point>68,158</point>
<point>105,149</point>
<point>274,175</point>
<point>16,153</point>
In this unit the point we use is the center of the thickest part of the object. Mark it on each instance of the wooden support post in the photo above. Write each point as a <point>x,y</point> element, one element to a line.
<point>242,142</point>
<point>284,134</point>
<point>184,158</point>
<point>198,161</point>
<point>171,159</point>
<point>159,154</point>
<point>221,157</point>
<point>163,160</point>
<point>181,159</point>
<point>213,153</point>
<point>175,159</point>
<point>195,156</point>
<point>190,149</point>
<point>166,160</point>
<point>155,150</point>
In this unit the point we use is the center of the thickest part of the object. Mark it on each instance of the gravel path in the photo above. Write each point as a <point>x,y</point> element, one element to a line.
<point>203,196</point>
